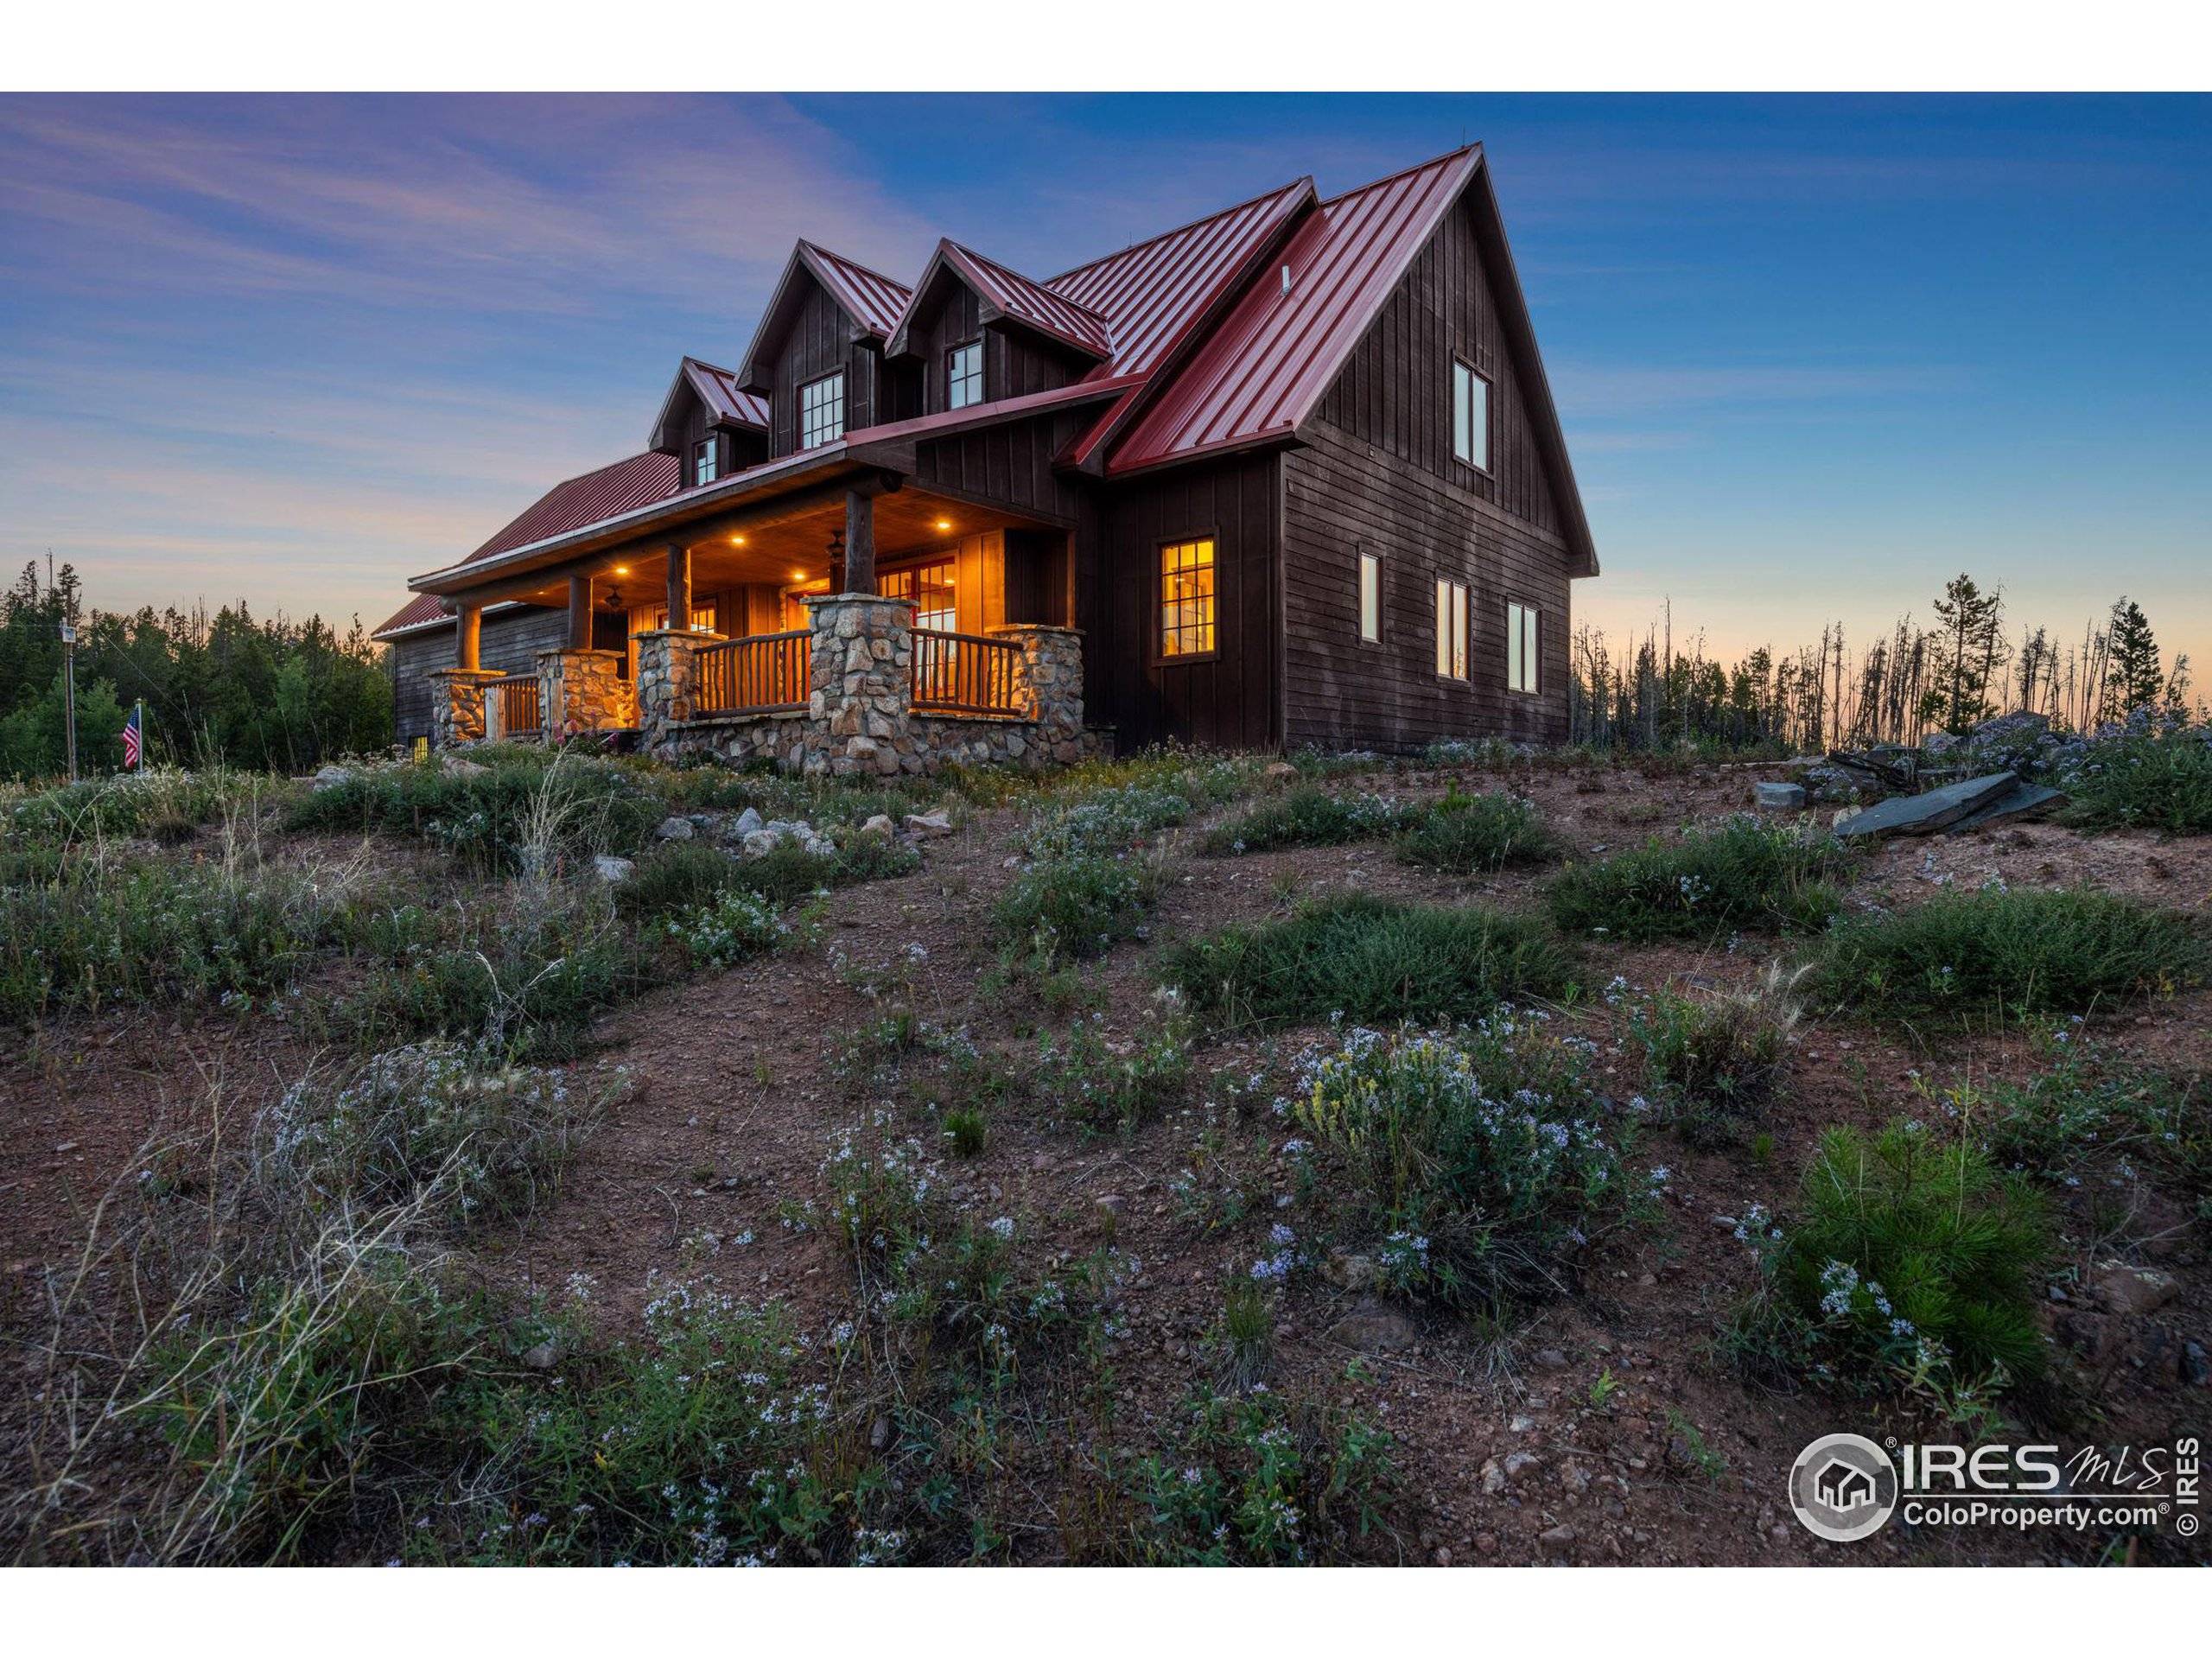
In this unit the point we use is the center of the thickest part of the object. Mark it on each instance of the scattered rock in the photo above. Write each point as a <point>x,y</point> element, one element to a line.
<point>1352,1272</point>
<point>1279,772</point>
<point>612,870</point>
<point>1779,798</point>
<point>762,842</point>
<point>1561,1537</point>
<point>881,824</point>
<point>2130,1291</point>
<point>544,1358</point>
<point>677,829</point>
<point>1552,1359</point>
<point>1374,1328</point>
<point>2017,806</point>
<point>460,768</point>
<point>332,776</point>
<point>1517,1462</point>
<point>1493,1478</point>
<point>929,825</point>
<point>747,822</point>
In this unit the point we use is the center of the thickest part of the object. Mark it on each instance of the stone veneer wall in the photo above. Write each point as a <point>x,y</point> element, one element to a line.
<point>457,705</point>
<point>859,717</point>
<point>584,691</point>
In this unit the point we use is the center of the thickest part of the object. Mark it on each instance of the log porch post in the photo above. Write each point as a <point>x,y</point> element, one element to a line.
<point>469,646</point>
<point>580,604</point>
<point>859,542</point>
<point>679,586</point>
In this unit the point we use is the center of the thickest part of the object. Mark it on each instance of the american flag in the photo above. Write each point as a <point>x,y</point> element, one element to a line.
<point>132,756</point>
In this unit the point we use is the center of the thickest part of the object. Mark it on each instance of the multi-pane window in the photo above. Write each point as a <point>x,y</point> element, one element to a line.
<point>821,410</point>
<point>702,617</point>
<point>964,375</point>
<point>1186,598</point>
<point>1520,648</point>
<point>931,587</point>
<point>1370,597</point>
<point>1470,416</point>
<point>1451,628</point>
<point>706,460</point>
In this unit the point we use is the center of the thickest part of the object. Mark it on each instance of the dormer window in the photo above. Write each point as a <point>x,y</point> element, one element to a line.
<point>821,410</point>
<point>964,375</point>
<point>706,461</point>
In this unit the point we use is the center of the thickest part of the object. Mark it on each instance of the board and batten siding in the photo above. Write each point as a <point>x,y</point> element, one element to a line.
<point>821,341</point>
<point>510,642</point>
<point>1228,700</point>
<point>1375,473</point>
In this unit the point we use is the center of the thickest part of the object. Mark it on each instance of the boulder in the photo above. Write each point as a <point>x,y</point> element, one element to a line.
<point>1923,815</point>
<point>612,870</point>
<point>2022,803</point>
<point>929,825</point>
<point>881,824</point>
<point>1779,798</point>
<point>460,768</point>
<point>334,776</point>
<point>2124,1288</point>
<point>762,842</point>
<point>747,822</point>
<point>677,829</point>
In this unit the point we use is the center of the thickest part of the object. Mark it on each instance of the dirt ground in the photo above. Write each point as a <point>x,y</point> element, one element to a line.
<point>737,1099</point>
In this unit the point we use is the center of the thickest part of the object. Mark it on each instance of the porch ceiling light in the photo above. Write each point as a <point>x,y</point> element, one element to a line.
<point>739,540</point>
<point>944,523</point>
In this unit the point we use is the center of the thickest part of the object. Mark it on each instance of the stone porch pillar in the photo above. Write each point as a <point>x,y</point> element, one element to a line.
<point>666,678</point>
<point>457,705</point>
<point>583,691</point>
<point>1048,685</point>
<point>860,671</point>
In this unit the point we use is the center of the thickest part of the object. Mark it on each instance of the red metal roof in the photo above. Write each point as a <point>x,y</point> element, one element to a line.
<point>720,390</point>
<point>1031,303</point>
<point>870,298</point>
<point>578,501</point>
<point>1263,370</point>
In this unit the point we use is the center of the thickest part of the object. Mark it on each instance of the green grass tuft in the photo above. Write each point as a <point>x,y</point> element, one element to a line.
<point>1744,875</point>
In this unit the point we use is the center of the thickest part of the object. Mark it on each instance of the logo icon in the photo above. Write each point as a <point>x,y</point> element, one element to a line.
<point>1843,1487</point>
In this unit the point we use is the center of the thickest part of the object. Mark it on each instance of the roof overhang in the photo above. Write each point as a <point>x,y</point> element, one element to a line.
<point>694,378</point>
<point>756,373</point>
<point>953,263</point>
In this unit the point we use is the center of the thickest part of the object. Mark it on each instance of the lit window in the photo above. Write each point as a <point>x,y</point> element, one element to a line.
<point>821,410</point>
<point>702,617</point>
<point>964,375</point>
<point>1186,598</point>
<point>1520,648</point>
<point>1470,416</point>
<point>1452,629</point>
<point>706,460</point>
<point>931,587</point>
<point>1370,597</point>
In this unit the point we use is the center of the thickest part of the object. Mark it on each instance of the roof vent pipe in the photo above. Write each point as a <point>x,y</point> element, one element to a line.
<point>1286,279</point>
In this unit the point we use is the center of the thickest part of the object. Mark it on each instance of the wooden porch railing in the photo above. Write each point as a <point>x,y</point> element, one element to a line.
<point>965,673</point>
<point>520,715</point>
<point>754,675</point>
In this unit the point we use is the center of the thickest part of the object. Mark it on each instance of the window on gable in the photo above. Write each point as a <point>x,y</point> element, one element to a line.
<point>821,410</point>
<point>1186,598</point>
<point>1521,633</point>
<point>964,375</point>
<point>1451,628</point>
<point>1470,416</point>
<point>1370,598</point>
<point>706,460</point>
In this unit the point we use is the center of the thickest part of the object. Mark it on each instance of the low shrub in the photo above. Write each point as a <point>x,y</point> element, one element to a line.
<point>1475,1158</point>
<point>1994,954</point>
<point>163,804</point>
<point>1307,815</point>
<point>1076,905</point>
<point>2154,771</point>
<point>1744,875</point>
<point>1916,1264</point>
<point>1714,1061</point>
<point>1371,961</point>
<point>1086,1079</point>
<point>1476,834</point>
<point>736,925</point>
<point>2095,1119</point>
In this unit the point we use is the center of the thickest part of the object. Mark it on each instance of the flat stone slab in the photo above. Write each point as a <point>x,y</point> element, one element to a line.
<point>2024,801</point>
<point>1779,798</point>
<point>1923,815</point>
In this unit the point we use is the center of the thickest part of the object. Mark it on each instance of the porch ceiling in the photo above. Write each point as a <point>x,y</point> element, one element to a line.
<point>907,521</point>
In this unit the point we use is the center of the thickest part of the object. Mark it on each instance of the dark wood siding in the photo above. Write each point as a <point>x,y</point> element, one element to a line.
<point>1377,475</point>
<point>820,340</point>
<point>510,642</point>
<point>1010,463</point>
<point>1228,700</point>
<point>1015,361</point>
<point>1394,393</point>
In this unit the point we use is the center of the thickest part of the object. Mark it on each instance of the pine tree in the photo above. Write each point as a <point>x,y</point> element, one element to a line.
<point>2133,675</point>
<point>1971,648</point>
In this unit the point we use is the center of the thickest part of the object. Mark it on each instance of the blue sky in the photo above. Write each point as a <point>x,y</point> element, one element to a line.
<point>1814,355</point>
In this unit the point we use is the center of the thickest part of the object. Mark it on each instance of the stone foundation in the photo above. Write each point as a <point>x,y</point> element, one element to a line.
<point>583,691</point>
<point>457,705</point>
<point>860,719</point>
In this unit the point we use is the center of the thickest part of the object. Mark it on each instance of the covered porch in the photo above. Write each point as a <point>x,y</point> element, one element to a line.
<point>749,614</point>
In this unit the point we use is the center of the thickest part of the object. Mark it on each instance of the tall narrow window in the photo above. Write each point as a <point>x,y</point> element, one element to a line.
<point>964,375</point>
<point>1186,598</point>
<point>706,460</point>
<point>1521,631</point>
<point>1370,597</point>
<point>1452,629</point>
<point>1470,416</point>
<point>821,410</point>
